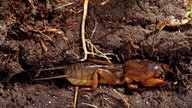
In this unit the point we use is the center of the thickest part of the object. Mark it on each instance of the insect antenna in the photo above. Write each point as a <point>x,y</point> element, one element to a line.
<point>54,68</point>
<point>50,78</point>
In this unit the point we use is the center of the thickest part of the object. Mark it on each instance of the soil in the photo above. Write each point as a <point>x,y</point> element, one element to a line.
<point>38,34</point>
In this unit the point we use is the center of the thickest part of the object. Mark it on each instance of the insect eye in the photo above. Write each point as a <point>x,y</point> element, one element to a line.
<point>158,71</point>
<point>156,67</point>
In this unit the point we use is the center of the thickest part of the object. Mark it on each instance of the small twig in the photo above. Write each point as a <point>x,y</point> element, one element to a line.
<point>90,105</point>
<point>44,35</point>
<point>85,8</point>
<point>123,98</point>
<point>75,97</point>
<point>45,49</point>
<point>59,7</point>
<point>104,2</point>
<point>175,49</point>
<point>95,51</point>
<point>171,21</point>
<point>87,42</point>
<point>93,32</point>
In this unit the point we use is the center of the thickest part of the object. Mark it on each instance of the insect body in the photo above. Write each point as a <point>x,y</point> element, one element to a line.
<point>89,74</point>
